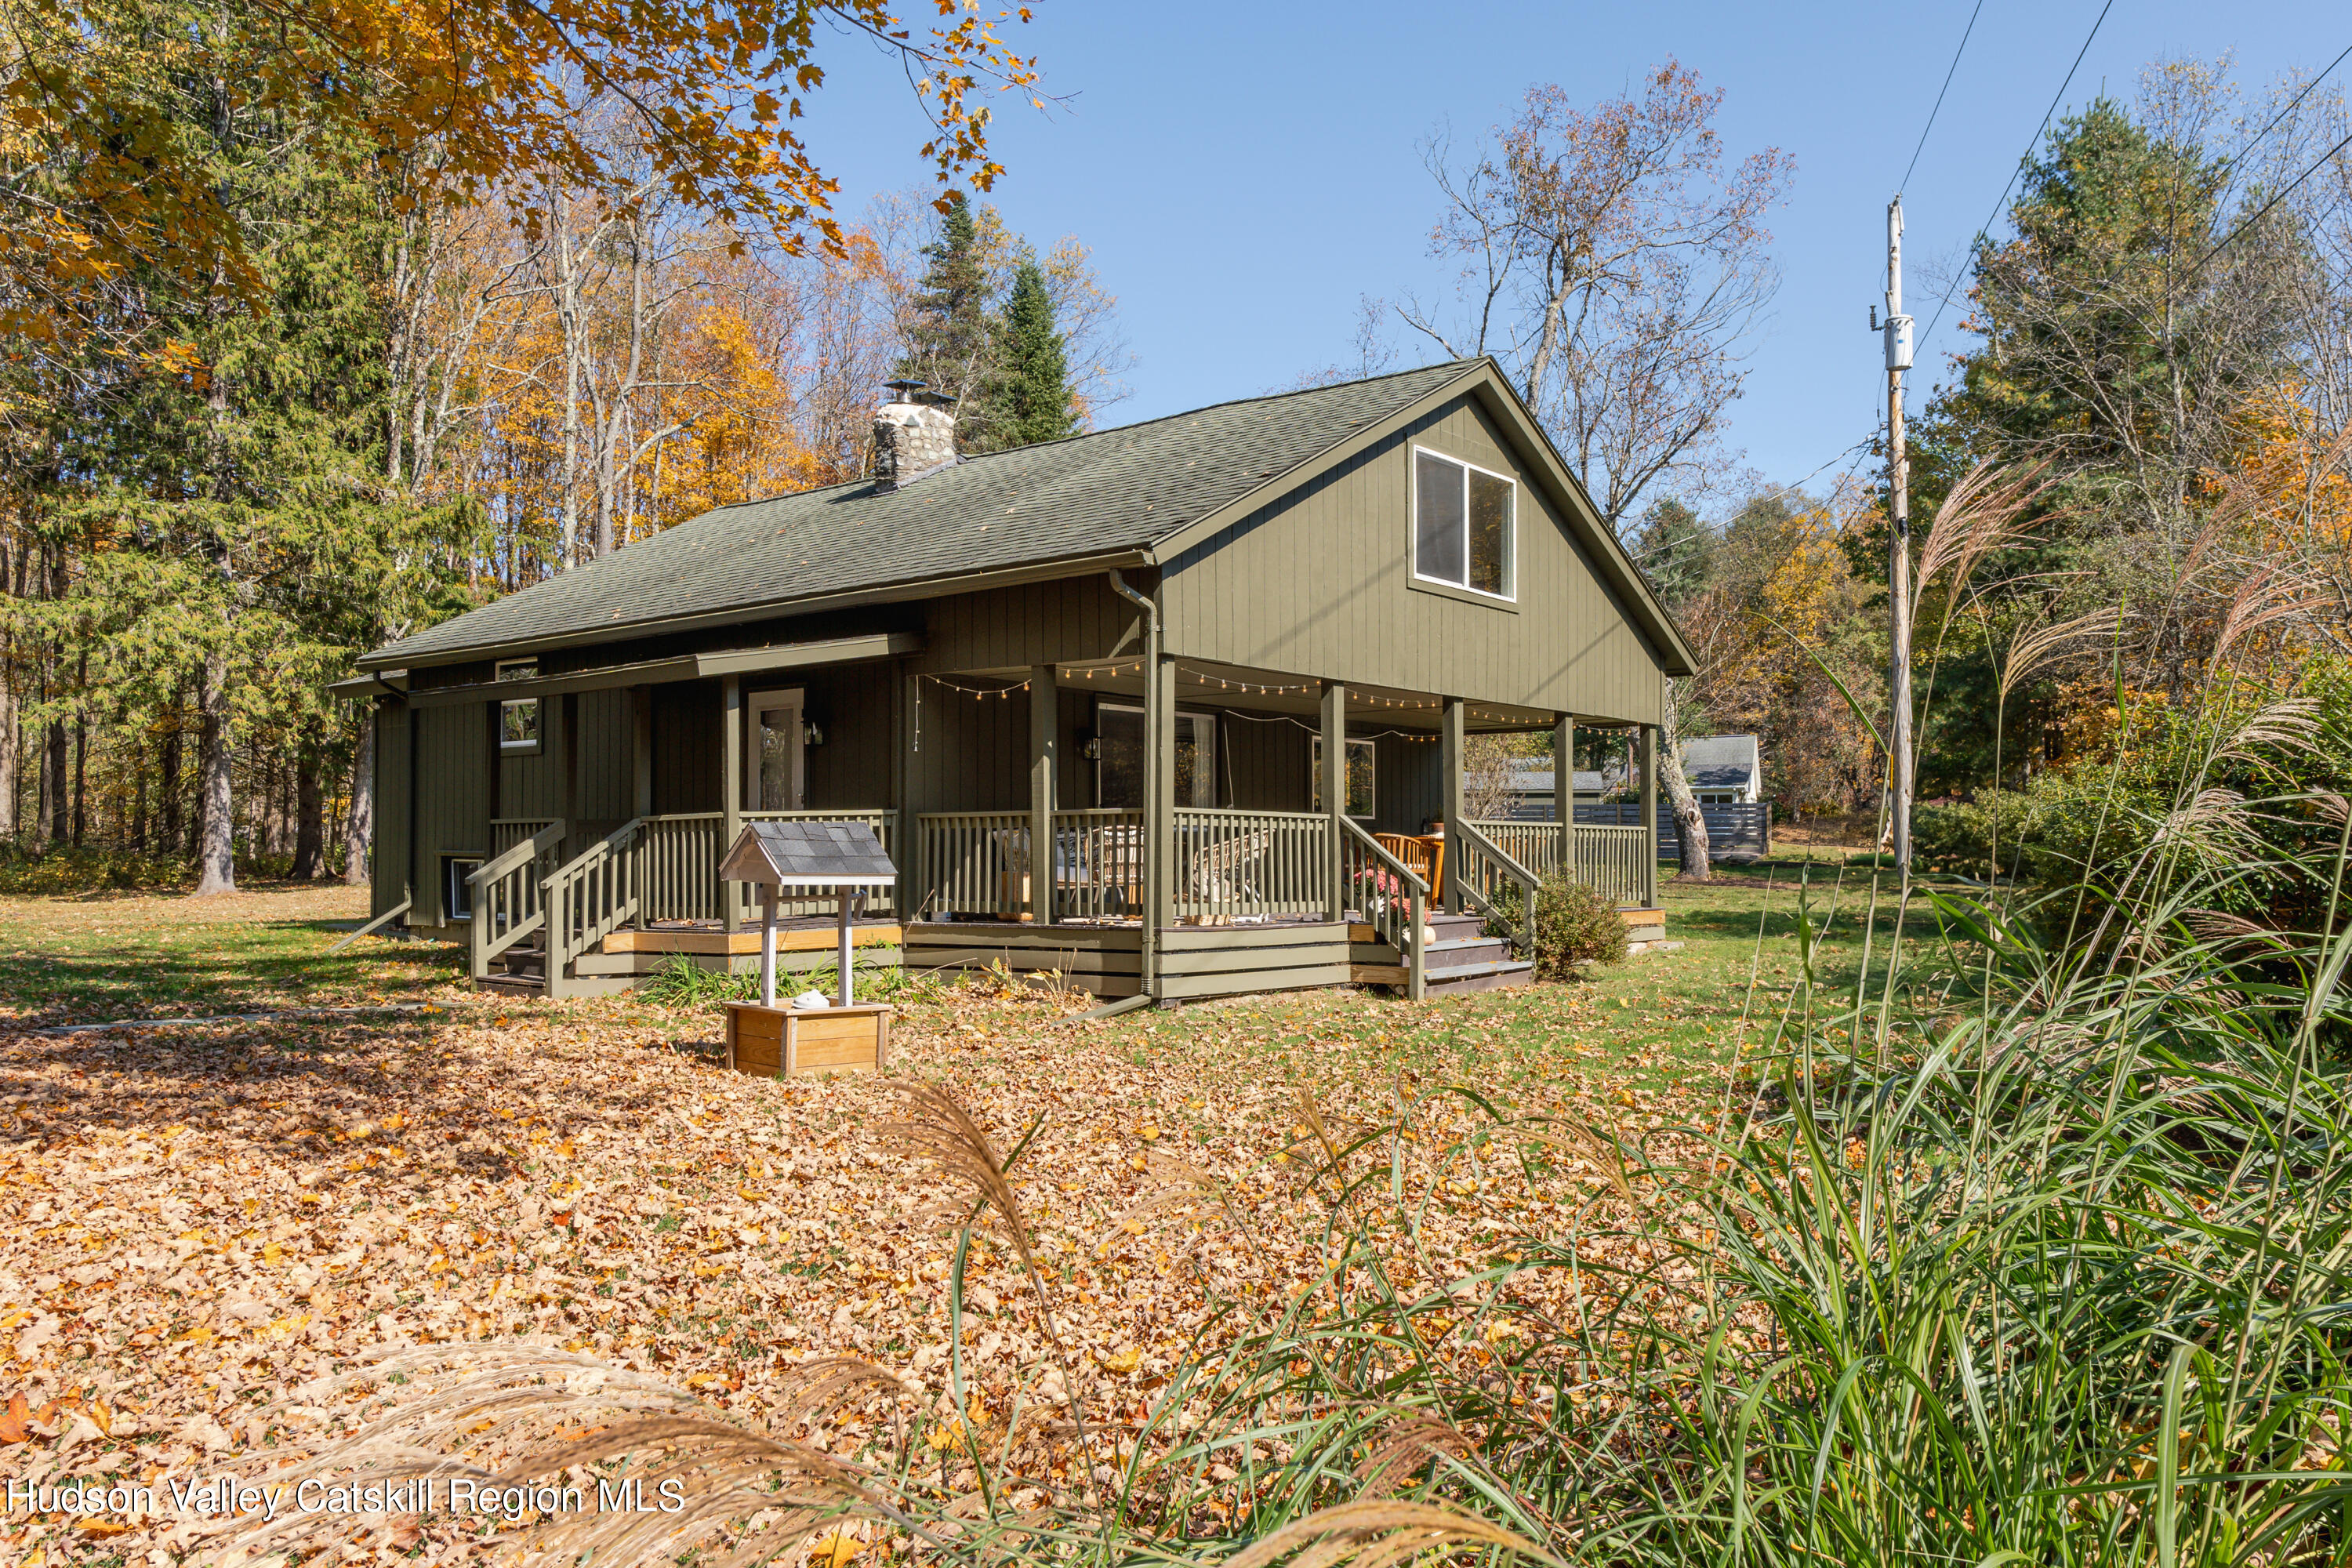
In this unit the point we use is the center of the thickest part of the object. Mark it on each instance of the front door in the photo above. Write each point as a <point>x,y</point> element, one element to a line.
<point>775,778</point>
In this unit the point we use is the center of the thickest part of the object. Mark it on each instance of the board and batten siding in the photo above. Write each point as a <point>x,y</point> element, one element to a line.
<point>453,798</point>
<point>1065,620</point>
<point>394,865</point>
<point>1321,583</point>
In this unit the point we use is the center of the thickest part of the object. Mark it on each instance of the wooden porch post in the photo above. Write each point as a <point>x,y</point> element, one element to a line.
<point>1650,816</point>
<point>730,786</point>
<point>1159,856</point>
<point>641,750</point>
<point>1044,731</point>
<point>571,707</point>
<point>1335,793</point>
<point>1450,748</point>
<point>1563,788</point>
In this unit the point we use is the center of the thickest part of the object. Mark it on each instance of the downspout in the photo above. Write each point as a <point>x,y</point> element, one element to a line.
<point>1149,955</point>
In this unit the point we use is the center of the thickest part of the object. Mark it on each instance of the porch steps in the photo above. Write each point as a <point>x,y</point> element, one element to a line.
<point>1461,958</point>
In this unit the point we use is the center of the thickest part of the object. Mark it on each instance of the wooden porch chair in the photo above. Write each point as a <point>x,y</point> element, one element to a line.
<point>1423,854</point>
<point>1220,872</point>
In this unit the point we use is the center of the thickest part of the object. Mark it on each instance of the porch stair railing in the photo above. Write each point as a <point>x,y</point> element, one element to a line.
<point>1488,878</point>
<point>1392,899</point>
<point>591,896</point>
<point>507,894</point>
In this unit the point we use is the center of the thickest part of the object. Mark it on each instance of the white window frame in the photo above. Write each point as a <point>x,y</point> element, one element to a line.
<point>538,713</point>
<point>454,869</point>
<point>795,700</point>
<point>1315,775</point>
<point>1413,531</point>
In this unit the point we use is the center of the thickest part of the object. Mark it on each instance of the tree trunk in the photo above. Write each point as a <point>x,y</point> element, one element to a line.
<point>175,841</point>
<point>81,757</point>
<point>309,815</point>
<point>361,828</point>
<point>57,810</point>
<point>1690,826</point>
<point>217,846</point>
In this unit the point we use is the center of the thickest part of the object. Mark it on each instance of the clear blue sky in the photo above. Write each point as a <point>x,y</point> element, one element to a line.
<point>1245,172</point>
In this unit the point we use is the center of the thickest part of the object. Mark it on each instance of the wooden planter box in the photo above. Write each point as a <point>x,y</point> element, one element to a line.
<point>788,1042</point>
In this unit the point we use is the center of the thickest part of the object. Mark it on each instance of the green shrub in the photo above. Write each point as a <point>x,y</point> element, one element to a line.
<point>1574,925</point>
<point>682,982</point>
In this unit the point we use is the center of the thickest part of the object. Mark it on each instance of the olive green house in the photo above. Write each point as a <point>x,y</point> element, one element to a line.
<point>1175,709</point>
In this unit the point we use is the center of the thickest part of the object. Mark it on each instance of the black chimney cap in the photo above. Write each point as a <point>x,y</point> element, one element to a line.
<point>904,387</point>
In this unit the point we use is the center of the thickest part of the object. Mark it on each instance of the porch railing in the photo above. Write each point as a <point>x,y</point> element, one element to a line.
<point>968,862</point>
<point>677,865</point>
<point>1250,864</point>
<point>508,891</point>
<point>1534,845</point>
<point>1389,897</point>
<point>664,869</point>
<point>1097,864</point>
<point>1493,884</point>
<point>1610,861</point>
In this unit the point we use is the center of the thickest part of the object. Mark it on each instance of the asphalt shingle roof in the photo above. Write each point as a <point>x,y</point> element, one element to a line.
<point>1115,490</point>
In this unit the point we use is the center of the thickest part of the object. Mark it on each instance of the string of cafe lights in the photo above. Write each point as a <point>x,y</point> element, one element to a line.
<point>1224,683</point>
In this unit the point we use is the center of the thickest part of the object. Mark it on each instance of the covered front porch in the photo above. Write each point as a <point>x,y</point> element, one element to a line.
<point>1137,826</point>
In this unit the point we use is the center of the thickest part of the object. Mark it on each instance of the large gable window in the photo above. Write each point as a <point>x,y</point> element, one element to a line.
<point>1463,525</point>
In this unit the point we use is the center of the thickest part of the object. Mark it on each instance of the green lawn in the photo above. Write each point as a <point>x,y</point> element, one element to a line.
<point>1661,1019</point>
<point>80,959</point>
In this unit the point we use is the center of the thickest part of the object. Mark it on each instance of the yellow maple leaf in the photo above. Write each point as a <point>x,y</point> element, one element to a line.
<point>835,1551</point>
<point>273,1255</point>
<point>1126,1359</point>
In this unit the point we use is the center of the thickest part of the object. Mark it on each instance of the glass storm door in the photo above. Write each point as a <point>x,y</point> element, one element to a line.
<point>777,781</point>
<point>1118,777</point>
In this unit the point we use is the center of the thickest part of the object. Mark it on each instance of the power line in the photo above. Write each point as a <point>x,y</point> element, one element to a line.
<point>2233,233</point>
<point>1904,182</point>
<point>2294,103</point>
<point>2056,99</point>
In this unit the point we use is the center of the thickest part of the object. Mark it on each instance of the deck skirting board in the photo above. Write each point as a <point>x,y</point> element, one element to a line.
<point>1008,935</point>
<point>922,960</point>
<point>1282,934</point>
<point>1237,982</point>
<point>1317,955</point>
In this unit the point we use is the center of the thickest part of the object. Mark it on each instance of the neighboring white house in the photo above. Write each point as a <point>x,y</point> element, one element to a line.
<point>1723,770</point>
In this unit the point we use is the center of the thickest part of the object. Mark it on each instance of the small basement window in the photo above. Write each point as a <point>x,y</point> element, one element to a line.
<point>1360,776</point>
<point>519,716</point>
<point>457,895</point>
<point>1464,525</point>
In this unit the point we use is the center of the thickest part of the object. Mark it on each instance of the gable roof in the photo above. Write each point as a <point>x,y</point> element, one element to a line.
<point>1720,761</point>
<point>1131,496</point>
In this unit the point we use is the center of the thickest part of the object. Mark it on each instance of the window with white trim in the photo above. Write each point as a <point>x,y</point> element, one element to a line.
<point>518,716</point>
<point>1464,525</point>
<point>1361,755</point>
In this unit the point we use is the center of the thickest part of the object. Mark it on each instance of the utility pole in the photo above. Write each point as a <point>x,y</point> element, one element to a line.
<point>1897,335</point>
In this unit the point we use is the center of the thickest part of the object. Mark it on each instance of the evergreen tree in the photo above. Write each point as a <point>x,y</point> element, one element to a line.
<point>1028,397</point>
<point>947,328</point>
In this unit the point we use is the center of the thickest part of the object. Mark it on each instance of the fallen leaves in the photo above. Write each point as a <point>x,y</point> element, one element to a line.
<point>192,1229</point>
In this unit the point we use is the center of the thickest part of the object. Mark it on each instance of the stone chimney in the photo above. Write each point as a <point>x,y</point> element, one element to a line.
<point>914,436</point>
